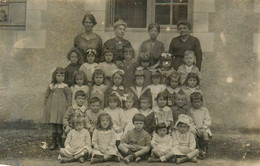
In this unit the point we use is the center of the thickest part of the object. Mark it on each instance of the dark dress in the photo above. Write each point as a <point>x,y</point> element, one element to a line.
<point>155,50</point>
<point>178,47</point>
<point>129,68</point>
<point>83,44</point>
<point>69,71</point>
<point>118,46</point>
<point>145,92</point>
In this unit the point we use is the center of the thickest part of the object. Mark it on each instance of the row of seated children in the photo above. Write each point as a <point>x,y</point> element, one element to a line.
<point>122,118</point>
<point>136,145</point>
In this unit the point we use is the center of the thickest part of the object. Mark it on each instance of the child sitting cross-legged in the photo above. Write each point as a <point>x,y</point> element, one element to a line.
<point>77,144</point>
<point>161,143</point>
<point>183,141</point>
<point>104,140</point>
<point>135,145</point>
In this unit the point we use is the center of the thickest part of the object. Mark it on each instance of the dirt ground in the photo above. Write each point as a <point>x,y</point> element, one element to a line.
<point>20,146</point>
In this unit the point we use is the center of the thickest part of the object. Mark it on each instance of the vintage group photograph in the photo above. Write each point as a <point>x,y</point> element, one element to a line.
<point>129,82</point>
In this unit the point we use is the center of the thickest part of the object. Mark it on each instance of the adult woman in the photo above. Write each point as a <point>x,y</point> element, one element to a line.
<point>118,43</point>
<point>152,47</point>
<point>88,39</point>
<point>184,42</point>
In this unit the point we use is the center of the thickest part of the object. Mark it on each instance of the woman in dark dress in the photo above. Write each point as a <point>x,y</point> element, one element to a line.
<point>88,39</point>
<point>184,42</point>
<point>118,43</point>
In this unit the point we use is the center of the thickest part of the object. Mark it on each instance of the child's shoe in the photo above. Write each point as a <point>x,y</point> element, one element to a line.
<point>128,159</point>
<point>96,160</point>
<point>194,160</point>
<point>81,159</point>
<point>54,145</point>
<point>138,159</point>
<point>202,155</point>
<point>66,160</point>
<point>181,160</point>
<point>152,159</point>
<point>116,159</point>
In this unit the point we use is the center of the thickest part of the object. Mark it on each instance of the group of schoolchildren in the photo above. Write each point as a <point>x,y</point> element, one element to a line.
<point>127,111</point>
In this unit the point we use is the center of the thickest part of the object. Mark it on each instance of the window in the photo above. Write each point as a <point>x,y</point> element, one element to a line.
<point>12,13</point>
<point>139,13</point>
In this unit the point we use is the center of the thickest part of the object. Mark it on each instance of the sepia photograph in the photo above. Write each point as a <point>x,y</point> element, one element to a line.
<point>129,82</point>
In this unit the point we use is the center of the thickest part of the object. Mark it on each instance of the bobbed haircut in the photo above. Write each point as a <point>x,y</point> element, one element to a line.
<point>79,120</point>
<point>58,70</point>
<point>154,25</point>
<point>80,74</point>
<point>192,75</point>
<point>91,18</point>
<point>98,72</point>
<point>138,117</point>
<point>99,127</point>
<point>196,96</point>
<point>161,126</point>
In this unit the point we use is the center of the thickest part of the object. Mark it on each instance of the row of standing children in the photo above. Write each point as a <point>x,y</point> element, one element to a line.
<point>158,92</point>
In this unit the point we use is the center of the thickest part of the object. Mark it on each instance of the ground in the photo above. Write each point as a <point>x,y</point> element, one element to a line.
<point>20,145</point>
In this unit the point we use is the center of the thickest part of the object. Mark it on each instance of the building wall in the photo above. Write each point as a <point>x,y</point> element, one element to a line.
<point>228,31</point>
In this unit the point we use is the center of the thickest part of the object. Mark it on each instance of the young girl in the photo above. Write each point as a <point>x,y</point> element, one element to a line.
<point>116,85</point>
<point>163,113</point>
<point>98,88</point>
<point>104,140</point>
<point>130,111</point>
<point>161,143</point>
<point>165,66</point>
<point>156,86</point>
<point>89,67</point>
<point>202,121</point>
<point>74,58</point>
<point>145,109</point>
<point>117,114</point>
<point>139,89</point>
<point>191,83</point>
<point>188,66</point>
<point>173,87</point>
<point>79,83</point>
<point>57,100</point>
<point>77,144</point>
<point>108,66</point>
<point>128,66</point>
<point>144,62</point>
<point>183,141</point>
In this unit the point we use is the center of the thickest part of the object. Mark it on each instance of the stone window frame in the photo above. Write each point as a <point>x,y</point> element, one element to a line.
<point>150,16</point>
<point>9,24</point>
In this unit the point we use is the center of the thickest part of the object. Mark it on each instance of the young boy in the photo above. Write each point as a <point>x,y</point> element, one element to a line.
<point>188,66</point>
<point>73,112</point>
<point>180,106</point>
<point>93,114</point>
<point>202,121</point>
<point>139,89</point>
<point>135,145</point>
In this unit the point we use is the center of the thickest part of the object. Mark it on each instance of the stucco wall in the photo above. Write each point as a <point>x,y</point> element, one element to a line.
<point>228,31</point>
